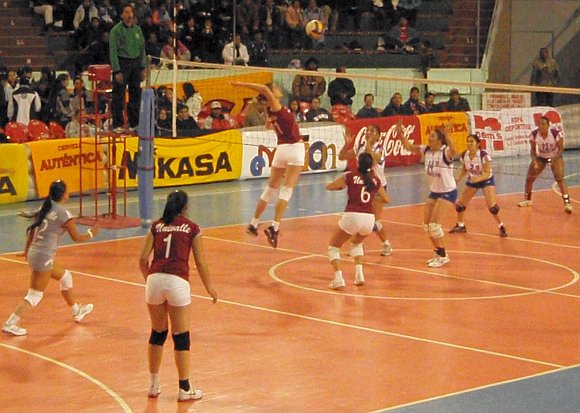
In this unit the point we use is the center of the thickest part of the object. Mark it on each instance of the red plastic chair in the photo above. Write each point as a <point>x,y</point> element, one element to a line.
<point>16,132</point>
<point>37,130</point>
<point>56,131</point>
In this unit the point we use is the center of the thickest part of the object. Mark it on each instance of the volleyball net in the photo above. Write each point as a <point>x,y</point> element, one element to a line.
<point>332,105</point>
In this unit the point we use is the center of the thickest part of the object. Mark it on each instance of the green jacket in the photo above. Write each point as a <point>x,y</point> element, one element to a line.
<point>127,42</point>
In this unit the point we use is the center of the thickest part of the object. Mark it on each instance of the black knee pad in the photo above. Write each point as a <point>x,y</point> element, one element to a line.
<point>181,341</point>
<point>157,338</point>
<point>460,208</point>
<point>494,210</point>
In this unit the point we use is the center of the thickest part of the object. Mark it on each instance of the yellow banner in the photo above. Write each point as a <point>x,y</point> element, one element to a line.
<point>185,161</point>
<point>458,120</point>
<point>61,159</point>
<point>13,173</point>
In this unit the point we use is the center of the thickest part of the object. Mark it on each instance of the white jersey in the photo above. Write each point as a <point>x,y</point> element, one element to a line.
<point>379,166</point>
<point>439,170</point>
<point>50,230</point>
<point>546,147</point>
<point>475,166</point>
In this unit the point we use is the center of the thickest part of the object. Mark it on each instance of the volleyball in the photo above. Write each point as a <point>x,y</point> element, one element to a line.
<point>314,29</point>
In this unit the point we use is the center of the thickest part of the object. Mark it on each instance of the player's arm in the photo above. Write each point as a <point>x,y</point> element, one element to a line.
<point>264,90</point>
<point>383,195</point>
<point>451,151</point>
<point>560,145</point>
<point>145,252</point>
<point>336,185</point>
<point>462,174</point>
<point>347,151</point>
<point>76,236</point>
<point>201,264</point>
<point>29,238</point>
<point>406,142</point>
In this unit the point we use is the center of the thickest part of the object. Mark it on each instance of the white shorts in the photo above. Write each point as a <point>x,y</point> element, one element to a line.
<point>357,223</point>
<point>289,154</point>
<point>161,287</point>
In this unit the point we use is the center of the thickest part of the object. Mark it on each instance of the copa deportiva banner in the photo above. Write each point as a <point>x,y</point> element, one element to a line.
<point>507,132</point>
<point>13,173</point>
<point>60,159</point>
<point>185,161</point>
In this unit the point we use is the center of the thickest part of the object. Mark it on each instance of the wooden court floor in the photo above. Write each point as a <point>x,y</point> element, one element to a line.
<point>279,340</point>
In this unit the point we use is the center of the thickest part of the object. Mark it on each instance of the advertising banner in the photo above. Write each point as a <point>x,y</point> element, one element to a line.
<point>62,159</point>
<point>505,100</point>
<point>13,173</point>
<point>322,142</point>
<point>185,161</point>
<point>458,122</point>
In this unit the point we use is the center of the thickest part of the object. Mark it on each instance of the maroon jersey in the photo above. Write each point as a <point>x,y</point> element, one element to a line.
<point>285,126</point>
<point>359,199</point>
<point>171,246</point>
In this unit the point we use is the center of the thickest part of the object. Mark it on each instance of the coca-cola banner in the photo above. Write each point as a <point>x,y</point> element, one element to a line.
<point>459,127</point>
<point>506,132</point>
<point>392,146</point>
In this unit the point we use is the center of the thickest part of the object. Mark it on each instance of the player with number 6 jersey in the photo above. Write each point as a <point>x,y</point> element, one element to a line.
<point>358,219</point>
<point>167,290</point>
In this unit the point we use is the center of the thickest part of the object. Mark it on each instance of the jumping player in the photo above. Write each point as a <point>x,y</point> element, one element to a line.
<point>358,219</point>
<point>43,237</point>
<point>477,165</point>
<point>372,144</point>
<point>287,164</point>
<point>439,169</point>
<point>547,146</point>
<point>167,290</point>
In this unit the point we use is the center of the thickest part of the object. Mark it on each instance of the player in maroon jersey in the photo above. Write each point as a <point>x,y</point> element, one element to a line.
<point>167,290</point>
<point>358,219</point>
<point>287,163</point>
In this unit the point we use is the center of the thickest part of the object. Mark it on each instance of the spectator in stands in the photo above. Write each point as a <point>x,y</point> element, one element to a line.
<point>147,26</point>
<point>173,48</point>
<point>413,106</point>
<point>218,120</point>
<point>73,127</point>
<point>385,13</point>
<point>270,20</point>
<point>82,21</point>
<point>236,53</point>
<point>545,72</point>
<point>91,34</point>
<point>163,127</point>
<point>210,43</point>
<point>247,18</point>
<point>191,38</point>
<point>259,51</point>
<point>162,99</point>
<point>186,125</point>
<point>430,104</point>
<point>82,98</point>
<point>395,107</point>
<point>294,107</point>
<point>3,100</point>
<point>456,103</point>
<point>254,113</point>
<point>428,57</point>
<point>192,99</point>
<point>341,90</point>
<point>306,88</point>
<point>60,100</point>
<point>10,85</point>
<point>295,22</point>
<point>409,10</point>
<point>368,111</point>
<point>108,14</point>
<point>26,73</point>
<point>402,37</point>
<point>316,113</point>
<point>153,49</point>
<point>160,14</point>
<point>25,103</point>
<point>140,10</point>
<point>45,8</point>
<point>347,9</point>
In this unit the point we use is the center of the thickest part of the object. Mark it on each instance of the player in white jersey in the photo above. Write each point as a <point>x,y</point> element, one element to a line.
<point>547,146</point>
<point>477,166</point>
<point>43,237</point>
<point>438,157</point>
<point>371,142</point>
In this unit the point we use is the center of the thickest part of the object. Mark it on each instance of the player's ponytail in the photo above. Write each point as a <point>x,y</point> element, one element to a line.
<point>55,193</point>
<point>365,164</point>
<point>176,202</point>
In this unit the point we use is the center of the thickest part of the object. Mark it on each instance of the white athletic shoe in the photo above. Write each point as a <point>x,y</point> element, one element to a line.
<point>439,262</point>
<point>14,330</point>
<point>154,391</point>
<point>525,203</point>
<point>83,311</point>
<point>359,279</point>
<point>337,283</point>
<point>433,258</point>
<point>387,249</point>
<point>191,394</point>
<point>568,208</point>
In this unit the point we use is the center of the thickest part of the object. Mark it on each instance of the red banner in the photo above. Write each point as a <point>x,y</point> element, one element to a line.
<point>395,154</point>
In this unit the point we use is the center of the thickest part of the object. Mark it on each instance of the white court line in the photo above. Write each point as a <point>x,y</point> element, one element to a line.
<point>81,373</point>
<point>334,323</point>
<point>474,389</point>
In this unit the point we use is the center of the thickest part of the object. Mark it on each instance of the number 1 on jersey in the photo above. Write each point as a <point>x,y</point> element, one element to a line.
<point>167,239</point>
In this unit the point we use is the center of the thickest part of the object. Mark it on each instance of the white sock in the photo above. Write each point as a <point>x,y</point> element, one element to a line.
<point>387,243</point>
<point>338,275</point>
<point>359,269</point>
<point>12,320</point>
<point>500,225</point>
<point>155,379</point>
<point>255,222</point>
<point>276,225</point>
<point>75,309</point>
<point>461,224</point>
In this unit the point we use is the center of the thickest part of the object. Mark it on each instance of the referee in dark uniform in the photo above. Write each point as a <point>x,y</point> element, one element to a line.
<point>128,62</point>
